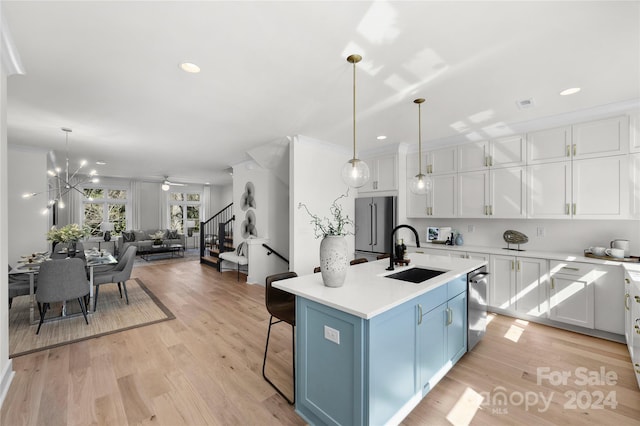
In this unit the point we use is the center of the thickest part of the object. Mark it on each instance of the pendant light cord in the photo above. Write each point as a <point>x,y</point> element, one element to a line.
<point>354,111</point>
<point>420,139</point>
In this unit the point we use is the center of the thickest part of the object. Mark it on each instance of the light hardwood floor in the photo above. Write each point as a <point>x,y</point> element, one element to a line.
<point>204,368</point>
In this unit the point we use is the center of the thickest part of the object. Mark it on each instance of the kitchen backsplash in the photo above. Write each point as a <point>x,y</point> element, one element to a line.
<point>572,236</point>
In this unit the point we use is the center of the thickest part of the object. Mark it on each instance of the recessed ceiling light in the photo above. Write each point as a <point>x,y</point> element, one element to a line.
<point>189,67</point>
<point>525,103</point>
<point>381,137</point>
<point>101,163</point>
<point>570,91</point>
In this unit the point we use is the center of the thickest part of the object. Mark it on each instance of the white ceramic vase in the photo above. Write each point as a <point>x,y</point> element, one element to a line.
<point>333,260</point>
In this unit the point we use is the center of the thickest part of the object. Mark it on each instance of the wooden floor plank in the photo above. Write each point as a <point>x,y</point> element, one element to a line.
<point>205,368</point>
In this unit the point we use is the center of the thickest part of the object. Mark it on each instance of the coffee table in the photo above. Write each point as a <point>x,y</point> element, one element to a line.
<point>176,250</point>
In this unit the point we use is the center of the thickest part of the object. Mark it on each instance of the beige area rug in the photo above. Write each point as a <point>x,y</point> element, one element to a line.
<point>113,315</point>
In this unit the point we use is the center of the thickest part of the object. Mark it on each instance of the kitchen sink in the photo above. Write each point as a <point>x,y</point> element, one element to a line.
<point>415,275</point>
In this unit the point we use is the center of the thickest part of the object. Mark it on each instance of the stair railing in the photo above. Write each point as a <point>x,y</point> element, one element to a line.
<point>272,251</point>
<point>209,230</point>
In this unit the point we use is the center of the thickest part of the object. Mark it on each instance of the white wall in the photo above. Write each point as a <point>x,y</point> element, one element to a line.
<point>26,172</point>
<point>572,236</point>
<point>315,178</point>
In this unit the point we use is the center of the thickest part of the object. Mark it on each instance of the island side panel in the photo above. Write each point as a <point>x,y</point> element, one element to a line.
<point>329,380</point>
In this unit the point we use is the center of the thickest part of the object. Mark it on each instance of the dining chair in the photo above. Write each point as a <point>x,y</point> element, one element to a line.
<point>60,280</point>
<point>18,286</point>
<point>358,260</point>
<point>282,306</point>
<point>120,274</point>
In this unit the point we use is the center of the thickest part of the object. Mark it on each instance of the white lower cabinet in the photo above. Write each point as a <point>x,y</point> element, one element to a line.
<point>609,299</point>
<point>518,284</point>
<point>572,293</point>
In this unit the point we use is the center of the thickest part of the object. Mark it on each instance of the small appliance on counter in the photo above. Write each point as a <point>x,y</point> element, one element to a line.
<point>618,250</point>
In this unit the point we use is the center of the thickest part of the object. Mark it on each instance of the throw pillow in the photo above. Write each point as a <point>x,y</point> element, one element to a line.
<point>128,237</point>
<point>242,249</point>
<point>172,234</point>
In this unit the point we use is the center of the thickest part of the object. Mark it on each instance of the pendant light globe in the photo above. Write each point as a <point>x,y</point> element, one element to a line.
<point>355,172</point>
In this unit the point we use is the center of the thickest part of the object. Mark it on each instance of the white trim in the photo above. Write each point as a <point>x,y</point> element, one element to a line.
<point>11,63</point>
<point>5,380</point>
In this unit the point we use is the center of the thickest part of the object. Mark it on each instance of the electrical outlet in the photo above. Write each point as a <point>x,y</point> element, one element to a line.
<point>540,231</point>
<point>332,334</point>
<point>471,228</point>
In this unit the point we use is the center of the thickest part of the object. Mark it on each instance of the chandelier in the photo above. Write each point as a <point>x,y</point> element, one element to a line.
<point>62,182</point>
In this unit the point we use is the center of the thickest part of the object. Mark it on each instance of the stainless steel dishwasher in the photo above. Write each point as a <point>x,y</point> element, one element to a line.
<point>476,306</point>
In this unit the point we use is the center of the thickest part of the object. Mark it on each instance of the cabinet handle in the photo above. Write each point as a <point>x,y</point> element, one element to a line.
<point>574,208</point>
<point>637,299</point>
<point>449,316</point>
<point>575,149</point>
<point>569,268</point>
<point>491,160</point>
<point>626,301</point>
<point>626,280</point>
<point>553,283</point>
<point>513,265</point>
<point>419,314</point>
<point>518,266</point>
<point>486,161</point>
<point>568,151</point>
<point>490,209</point>
<point>566,208</point>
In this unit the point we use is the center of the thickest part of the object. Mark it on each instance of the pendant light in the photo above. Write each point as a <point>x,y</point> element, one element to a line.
<point>355,172</point>
<point>420,184</point>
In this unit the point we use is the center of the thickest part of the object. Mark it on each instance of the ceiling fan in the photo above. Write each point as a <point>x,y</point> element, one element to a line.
<point>166,184</point>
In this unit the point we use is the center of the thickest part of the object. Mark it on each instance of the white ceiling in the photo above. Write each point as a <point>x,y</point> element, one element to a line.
<point>109,70</point>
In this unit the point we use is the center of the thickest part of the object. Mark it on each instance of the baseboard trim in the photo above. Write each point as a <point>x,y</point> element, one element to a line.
<point>5,380</point>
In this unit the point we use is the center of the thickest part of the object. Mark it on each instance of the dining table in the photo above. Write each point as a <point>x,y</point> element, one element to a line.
<point>30,265</point>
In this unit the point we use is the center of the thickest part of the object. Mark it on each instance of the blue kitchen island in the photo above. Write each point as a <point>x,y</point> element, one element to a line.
<point>369,351</point>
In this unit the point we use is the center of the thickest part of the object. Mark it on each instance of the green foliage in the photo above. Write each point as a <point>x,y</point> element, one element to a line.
<point>334,226</point>
<point>66,234</point>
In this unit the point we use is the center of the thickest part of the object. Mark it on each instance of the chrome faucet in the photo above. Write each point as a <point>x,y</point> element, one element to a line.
<point>390,268</point>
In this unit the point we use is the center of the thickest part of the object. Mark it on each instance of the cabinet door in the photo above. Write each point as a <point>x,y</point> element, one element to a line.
<point>601,188</point>
<point>531,287</point>
<point>549,145</point>
<point>507,152</point>
<point>387,172</point>
<point>609,293</point>
<point>634,132</point>
<point>442,161</point>
<point>432,348</point>
<point>634,193</point>
<point>549,190</point>
<point>473,156</point>
<point>473,194</point>
<point>500,290</point>
<point>572,300</point>
<point>456,327</point>
<point>442,198</point>
<point>602,137</point>
<point>508,189</point>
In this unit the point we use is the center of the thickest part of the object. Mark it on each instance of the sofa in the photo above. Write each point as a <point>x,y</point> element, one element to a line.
<point>141,238</point>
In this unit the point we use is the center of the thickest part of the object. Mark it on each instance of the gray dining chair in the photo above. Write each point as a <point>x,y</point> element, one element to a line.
<point>19,286</point>
<point>60,280</point>
<point>120,274</point>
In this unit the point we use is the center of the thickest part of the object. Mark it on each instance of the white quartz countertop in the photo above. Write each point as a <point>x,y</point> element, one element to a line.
<point>565,257</point>
<point>367,292</point>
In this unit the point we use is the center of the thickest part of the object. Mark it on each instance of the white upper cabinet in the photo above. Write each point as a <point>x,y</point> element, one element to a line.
<point>600,138</point>
<point>441,161</point>
<point>549,145</point>
<point>601,188</point>
<point>384,174</point>
<point>634,128</point>
<point>496,193</point>
<point>442,197</point>
<point>596,188</point>
<point>507,152</point>
<point>473,156</point>
<point>634,196</point>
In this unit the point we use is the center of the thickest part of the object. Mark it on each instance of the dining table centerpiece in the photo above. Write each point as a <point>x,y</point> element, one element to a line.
<point>334,259</point>
<point>69,234</point>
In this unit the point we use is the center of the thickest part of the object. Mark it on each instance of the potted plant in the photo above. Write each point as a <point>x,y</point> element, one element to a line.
<point>334,259</point>
<point>157,238</point>
<point>70,234</point>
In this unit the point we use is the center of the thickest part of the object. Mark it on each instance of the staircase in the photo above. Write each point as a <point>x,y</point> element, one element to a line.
<point>216,236</point>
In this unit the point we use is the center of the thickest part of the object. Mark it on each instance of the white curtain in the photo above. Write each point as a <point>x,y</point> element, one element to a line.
<point>134,203</point>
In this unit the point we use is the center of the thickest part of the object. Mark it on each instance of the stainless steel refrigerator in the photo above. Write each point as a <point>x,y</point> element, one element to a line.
<point>375,218</point>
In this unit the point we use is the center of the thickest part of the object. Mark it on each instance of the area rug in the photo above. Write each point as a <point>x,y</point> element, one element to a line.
<point>113,315</point>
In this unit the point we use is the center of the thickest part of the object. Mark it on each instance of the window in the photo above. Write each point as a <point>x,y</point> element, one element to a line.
<point>103,204</point>
<point>184,206</point>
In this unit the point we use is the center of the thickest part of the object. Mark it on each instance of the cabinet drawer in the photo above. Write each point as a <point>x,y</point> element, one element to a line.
<point>569,268</point>
<point>456,286</point>
<point>432,299</point>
